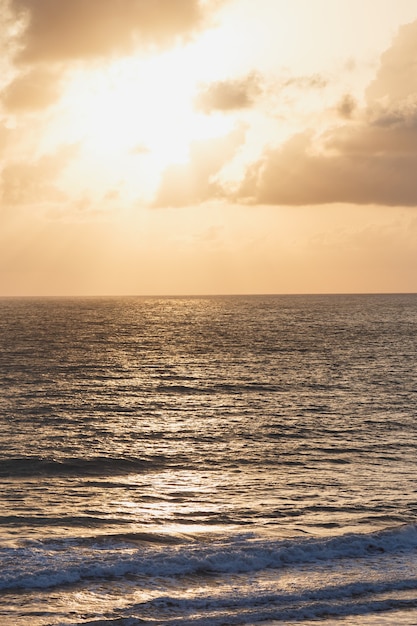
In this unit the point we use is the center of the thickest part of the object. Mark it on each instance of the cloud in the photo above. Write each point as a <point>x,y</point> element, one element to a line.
<point>371,161</point>
<point>242,93</point>
<point>397,75</point>
<point>346,107</point>
<point>44,38</point>
<point>297,175</point>
<point>229,95</point>
<point>399,115</point>
<point>315,81</point>
<point>194,182</point>
<point>36,88</point>
<point>82,29</point>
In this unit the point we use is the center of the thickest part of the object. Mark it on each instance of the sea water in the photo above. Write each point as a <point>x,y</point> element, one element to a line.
<point>208,461</point>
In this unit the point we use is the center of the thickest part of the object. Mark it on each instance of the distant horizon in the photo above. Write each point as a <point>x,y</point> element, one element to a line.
<point>206,295</point>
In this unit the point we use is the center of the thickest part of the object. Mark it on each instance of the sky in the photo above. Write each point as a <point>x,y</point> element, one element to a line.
<point>187,147</point>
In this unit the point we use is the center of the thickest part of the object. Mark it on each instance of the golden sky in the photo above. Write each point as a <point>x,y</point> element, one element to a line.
<point>212,146</point>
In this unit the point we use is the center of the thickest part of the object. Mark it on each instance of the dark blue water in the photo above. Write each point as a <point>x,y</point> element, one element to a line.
<point>222,460</point>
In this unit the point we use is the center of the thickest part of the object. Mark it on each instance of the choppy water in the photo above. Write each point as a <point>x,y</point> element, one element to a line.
<point>208,461</point>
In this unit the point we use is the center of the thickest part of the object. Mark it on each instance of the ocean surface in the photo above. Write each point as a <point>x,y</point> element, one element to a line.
<point>208,461</point>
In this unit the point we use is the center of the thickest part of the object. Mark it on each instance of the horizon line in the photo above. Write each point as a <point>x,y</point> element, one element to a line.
<point>209,295</point>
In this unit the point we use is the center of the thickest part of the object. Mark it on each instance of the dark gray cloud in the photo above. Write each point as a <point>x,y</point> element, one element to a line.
<point>80,29</point>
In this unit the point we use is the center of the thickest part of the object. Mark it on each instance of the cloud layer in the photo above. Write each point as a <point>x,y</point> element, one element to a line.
<point>79,29</point>
<point>33,89</point>
<point>369,160</point>
<point>368,156</point>
<point>55,35</point>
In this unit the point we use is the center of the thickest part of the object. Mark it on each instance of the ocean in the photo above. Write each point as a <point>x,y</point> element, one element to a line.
<point>208,461</point>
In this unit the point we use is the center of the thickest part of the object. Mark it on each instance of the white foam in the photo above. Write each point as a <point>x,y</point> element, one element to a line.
<point>57,563</point>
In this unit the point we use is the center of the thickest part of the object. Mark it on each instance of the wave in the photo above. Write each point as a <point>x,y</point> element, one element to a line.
<point>257,609</point>
<point>96,466</point>
<point>222,388</point>
<point>50,564</point>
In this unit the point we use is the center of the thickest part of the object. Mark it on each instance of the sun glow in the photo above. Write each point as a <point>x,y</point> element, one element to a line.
<point>137,116</point>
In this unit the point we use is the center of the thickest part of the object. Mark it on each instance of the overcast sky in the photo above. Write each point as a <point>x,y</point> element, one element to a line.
<point>220,146</point>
